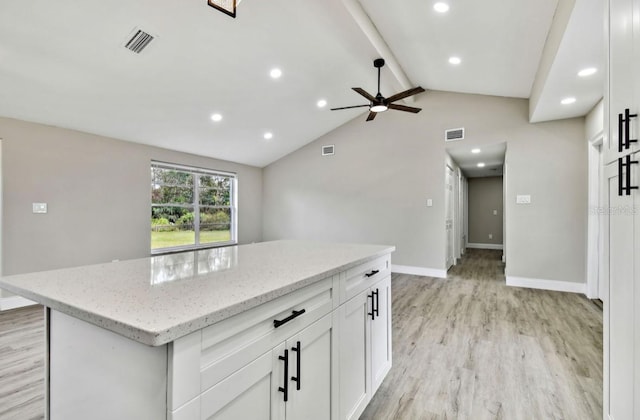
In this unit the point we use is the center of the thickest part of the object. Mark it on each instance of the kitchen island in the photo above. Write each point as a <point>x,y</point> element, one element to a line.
<point>275,330</point>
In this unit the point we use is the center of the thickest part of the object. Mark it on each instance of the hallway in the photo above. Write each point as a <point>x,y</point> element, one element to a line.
<point>470,347</point>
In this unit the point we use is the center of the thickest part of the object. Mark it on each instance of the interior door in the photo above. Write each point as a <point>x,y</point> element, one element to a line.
<point>449,209</point>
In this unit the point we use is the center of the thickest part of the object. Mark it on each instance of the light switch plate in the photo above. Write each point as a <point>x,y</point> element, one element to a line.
<point>523,199</point>
<point>495,212</point>
<point>39,208</point>
<point>429,202</point>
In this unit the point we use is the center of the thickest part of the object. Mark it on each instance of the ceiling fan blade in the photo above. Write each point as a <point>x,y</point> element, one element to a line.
<point>371,115</point>
<point>365,94</point>
<point>404,108</point>
<point>348,107</point>
<point>405,94</point>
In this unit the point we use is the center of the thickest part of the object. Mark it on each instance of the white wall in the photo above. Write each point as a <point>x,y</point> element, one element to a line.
<point>98,195</point>
<point>375,187</point>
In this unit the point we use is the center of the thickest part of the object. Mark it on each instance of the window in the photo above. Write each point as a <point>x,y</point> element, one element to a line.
<point>191,208</point>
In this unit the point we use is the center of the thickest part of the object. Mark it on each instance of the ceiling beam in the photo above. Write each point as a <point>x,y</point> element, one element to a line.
<point>371,32</point>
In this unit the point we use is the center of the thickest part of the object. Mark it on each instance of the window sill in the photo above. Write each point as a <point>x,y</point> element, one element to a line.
<point>167,251</point>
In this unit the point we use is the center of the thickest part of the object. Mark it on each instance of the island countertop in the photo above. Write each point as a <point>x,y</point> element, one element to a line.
<point>158,299</point>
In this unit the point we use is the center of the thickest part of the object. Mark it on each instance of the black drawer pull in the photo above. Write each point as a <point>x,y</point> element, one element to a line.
<point>296,378</point>
<point>294,314</point>
<point>627,120</point>
<point>624,184</point>
<point>373,273</point>
<point>621,141</point>
<point>373,309</point>
<point>285,389</point>
<point>377,293</point>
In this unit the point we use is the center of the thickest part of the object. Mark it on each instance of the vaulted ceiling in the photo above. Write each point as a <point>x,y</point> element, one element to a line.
<point>64,63</point>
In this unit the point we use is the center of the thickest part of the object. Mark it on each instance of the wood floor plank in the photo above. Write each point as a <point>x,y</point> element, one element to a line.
<point>469,347</point>
<point>22,363</point>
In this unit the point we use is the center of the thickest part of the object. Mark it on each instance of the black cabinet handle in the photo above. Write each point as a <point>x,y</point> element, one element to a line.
<point>294,314</point>
<point>377,293</point>
<point>373,311</point>
<point>285,389</point>
<point>624,184</point>
<point>627,120</point>
<point>621,141</point>
<point>373,273</point>
<point>296,378</point>
<point>620,179</point>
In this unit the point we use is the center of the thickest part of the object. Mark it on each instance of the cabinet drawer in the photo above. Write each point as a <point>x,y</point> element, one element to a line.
<point>361,277</point>
<point>209,356</point>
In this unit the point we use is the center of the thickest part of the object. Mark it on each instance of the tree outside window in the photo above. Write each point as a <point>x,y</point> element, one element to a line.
<point>191,208</point>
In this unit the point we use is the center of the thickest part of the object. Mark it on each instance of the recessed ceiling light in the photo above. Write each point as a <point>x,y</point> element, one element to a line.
<point>268,135</point>
<point>275,73</point>
<point>216,117</point>
<point>441,7</point>
<point>567,101</point>
<point>455,60</point>
<point>322,103</point>
<point>475,150</point>
<point>481,165</point>
<point>587,72</point>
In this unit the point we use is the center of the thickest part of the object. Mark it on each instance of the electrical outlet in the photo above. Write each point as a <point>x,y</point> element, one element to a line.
<point>491,236</point>
<point>495,212</point>
<point>429,202</point>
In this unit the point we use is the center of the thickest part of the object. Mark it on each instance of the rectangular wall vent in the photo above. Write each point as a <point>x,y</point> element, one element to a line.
<point>328,150</point>
<point>139,41</point>
<point>454,134</point>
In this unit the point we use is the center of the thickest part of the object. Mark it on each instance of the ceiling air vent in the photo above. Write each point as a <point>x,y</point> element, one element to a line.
<point>139,41</point>
<point>328,150</point>
<point>454,134</point>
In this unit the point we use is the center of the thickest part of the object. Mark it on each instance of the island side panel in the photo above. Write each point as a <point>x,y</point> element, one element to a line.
<point>97,374</point>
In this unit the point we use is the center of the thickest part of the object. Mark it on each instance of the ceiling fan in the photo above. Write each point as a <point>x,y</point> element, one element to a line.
<point>379,103</point>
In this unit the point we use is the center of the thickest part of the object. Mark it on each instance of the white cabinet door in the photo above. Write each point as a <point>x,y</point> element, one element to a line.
<point>380,333</point>
<point>250,393</point>
<point>621,296</point>
<point>354,358</point>
<point>310,372</point>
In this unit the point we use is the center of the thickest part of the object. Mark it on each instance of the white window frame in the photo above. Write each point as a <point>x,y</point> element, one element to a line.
<point>196,206</point>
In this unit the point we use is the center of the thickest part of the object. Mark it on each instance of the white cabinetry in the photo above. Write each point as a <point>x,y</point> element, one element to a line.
<point>325,360</point>
<point>624,82</point>
<point>364,338</point>
<point>622,227</point>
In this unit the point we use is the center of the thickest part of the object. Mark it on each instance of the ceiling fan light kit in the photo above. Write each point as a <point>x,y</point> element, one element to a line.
<point>379,103</point>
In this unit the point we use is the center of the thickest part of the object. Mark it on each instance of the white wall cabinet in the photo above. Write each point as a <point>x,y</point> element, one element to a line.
<point>624,83</point>
<point>365,347</point>
<point>622,222</point>
<point>622,227</point>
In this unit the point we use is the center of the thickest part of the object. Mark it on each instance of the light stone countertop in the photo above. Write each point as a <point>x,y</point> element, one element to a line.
<point>158,299</point>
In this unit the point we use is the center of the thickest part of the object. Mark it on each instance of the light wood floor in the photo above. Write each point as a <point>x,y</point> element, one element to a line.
<point>469,347</point>
<point>22,364</point>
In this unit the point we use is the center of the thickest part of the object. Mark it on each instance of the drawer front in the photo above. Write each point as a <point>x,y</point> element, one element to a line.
<point>207,357</point>
<point>363,276</point>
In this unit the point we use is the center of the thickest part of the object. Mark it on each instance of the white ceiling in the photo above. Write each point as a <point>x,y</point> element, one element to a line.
<point>492,155</point>
<point>63,63</point>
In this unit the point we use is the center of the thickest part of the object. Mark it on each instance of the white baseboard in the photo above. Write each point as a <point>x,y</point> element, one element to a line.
<point>485,246</point>
<point>419,271</point>
<point>555,285</point>
<point>13,302</point>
